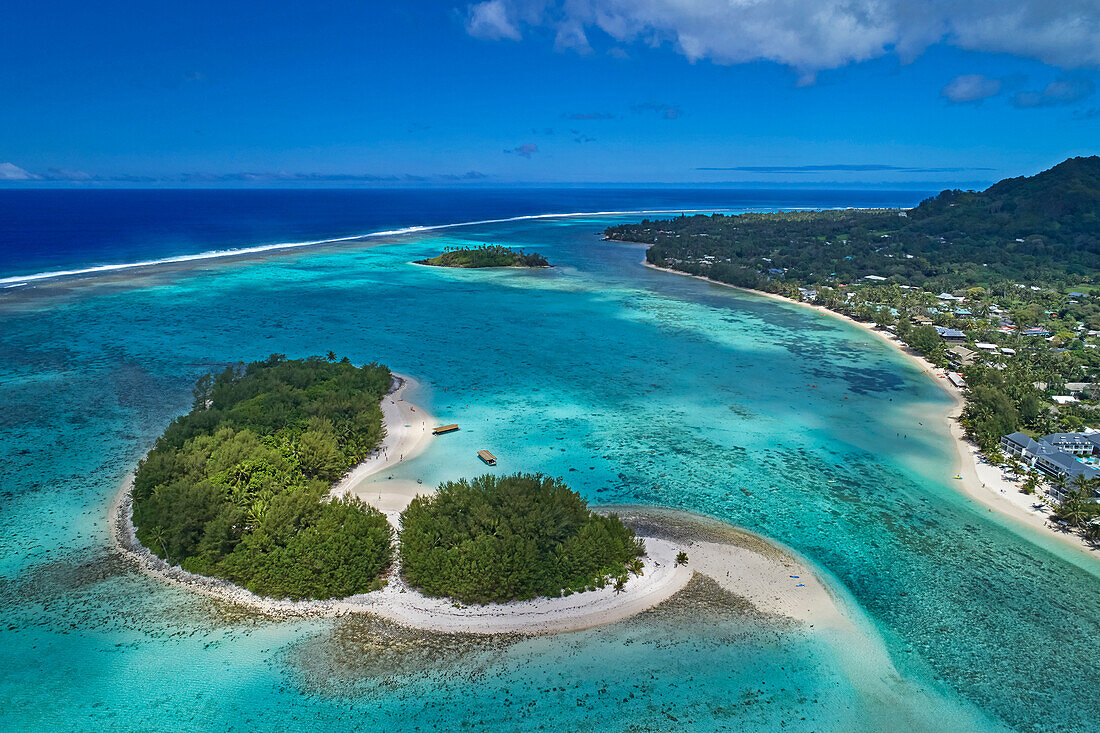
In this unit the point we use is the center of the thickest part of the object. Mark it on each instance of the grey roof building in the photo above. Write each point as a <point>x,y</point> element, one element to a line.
<point>951,334</point>
<point>1057,454</point>
<point>961,354</point>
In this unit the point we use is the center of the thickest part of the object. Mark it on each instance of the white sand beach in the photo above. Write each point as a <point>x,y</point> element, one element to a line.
<point>408,433</point>
<point>661,578</point>
<point>776,583</point>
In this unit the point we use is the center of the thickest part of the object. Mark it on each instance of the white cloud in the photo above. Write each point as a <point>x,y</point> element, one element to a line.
<point>12,172</point>
<point>491,20</point>
<point>810,36</point>
<point>572,36</point>
<point>971,88</point>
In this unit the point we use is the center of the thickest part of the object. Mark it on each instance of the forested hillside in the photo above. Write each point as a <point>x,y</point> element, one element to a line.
<point>1044,229</point>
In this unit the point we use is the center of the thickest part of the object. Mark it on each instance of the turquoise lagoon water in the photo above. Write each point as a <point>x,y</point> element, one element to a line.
<point>637,387</point>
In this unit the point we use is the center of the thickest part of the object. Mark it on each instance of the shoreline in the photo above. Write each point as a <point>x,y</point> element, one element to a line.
<point>981,481</point>
<point>408,434</point>
<point>775,582</point>
<point>772,580</point>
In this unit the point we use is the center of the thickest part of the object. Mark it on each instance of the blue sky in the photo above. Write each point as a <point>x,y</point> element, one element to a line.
<point>500,92</point>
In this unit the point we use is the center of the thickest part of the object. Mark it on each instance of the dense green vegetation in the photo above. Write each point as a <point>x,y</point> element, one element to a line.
<point>516,537</point>
<point>1043,230</point>
<point>1080,509</point>
<point>235,488</point>
<point>487,256</point>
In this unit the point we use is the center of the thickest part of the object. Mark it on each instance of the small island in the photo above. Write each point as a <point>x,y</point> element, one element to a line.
<point>493,255</point>
<point>237,487</point>
<point>252,487</point>
<point>518,537</point>
<point>241,488</point>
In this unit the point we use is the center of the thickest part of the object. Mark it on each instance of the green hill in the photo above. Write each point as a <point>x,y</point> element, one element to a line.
<point>1058,204</point>
<point>1042,229</point>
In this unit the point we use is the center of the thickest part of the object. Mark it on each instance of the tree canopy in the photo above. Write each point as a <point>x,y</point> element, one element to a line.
<point>236,488</point>
<point>493,255</point>
<point>515,537</point>
<point>1040,229</point>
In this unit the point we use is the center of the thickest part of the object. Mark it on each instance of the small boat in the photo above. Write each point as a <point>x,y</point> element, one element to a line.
<point>444,429</point>
<point>488,457</point>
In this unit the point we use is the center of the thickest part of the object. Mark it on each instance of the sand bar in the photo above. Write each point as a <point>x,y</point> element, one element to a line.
<point>408,433</point>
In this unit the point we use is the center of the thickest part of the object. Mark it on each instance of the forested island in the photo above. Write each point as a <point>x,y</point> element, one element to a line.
<point>493,540</point>
<point>235,488</point>
<point>239,489</point>
<point>493,255</point>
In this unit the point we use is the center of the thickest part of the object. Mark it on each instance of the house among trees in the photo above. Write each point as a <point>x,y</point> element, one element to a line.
<point>951,335</point>
<point>961,355</point>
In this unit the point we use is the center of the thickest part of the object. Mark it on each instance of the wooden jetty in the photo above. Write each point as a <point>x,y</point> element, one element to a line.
<point>444,429</point>
<point>487,457</point>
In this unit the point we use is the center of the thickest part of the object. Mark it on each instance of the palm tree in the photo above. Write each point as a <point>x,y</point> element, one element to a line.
<point>682,558</point>
<point>1077,507</point>
<point>1081,484</point>
<point>158,536</point>
<point>1014,466</point>
<point>331,356</point>
<point>620,584</point>
<point>256,512</point>
<point>636,565</point>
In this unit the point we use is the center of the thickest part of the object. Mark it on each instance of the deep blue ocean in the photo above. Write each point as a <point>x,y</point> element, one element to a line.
<point>46,230</point>
<point>635,386</point>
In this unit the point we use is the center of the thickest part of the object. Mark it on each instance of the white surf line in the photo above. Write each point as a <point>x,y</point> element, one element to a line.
<point>217,254</point>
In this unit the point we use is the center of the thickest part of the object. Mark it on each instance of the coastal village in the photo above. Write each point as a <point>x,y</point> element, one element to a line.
<point>1043,339</point>
<point>1037,344</point>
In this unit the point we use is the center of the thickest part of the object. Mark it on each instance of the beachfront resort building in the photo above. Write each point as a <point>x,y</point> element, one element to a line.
<point>1059,455</point>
